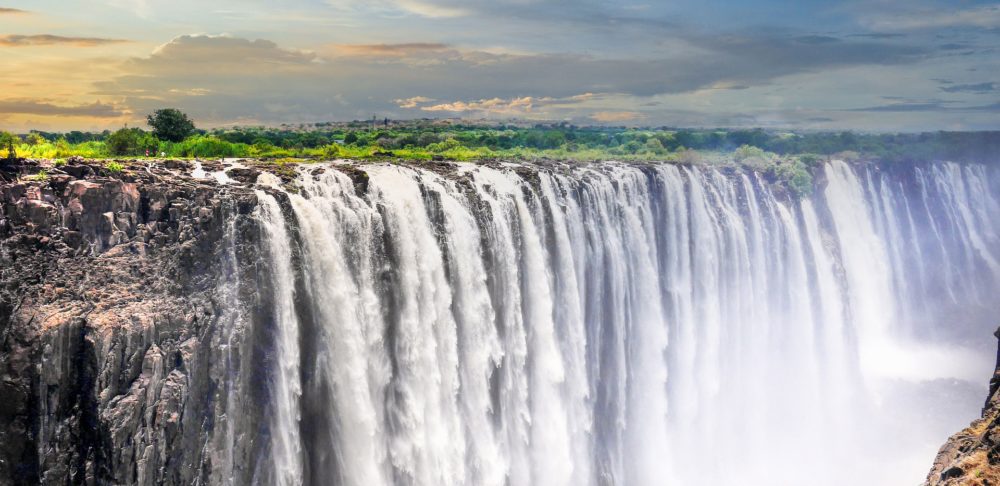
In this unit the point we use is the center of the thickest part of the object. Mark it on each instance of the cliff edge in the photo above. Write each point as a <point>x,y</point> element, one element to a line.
<point>972,456</point>
<point>118,361</point>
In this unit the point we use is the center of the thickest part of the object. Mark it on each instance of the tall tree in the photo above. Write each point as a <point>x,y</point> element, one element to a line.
<point>7,142</point>
<point>170,124</point>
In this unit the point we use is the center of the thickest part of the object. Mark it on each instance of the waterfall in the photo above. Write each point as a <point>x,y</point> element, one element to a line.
<point>287,390</point>
<point>624,324</point>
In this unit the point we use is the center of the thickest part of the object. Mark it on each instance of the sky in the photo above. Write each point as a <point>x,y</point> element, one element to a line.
<point>876,65</point>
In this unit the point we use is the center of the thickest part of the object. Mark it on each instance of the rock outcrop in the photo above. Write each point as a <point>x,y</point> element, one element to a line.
<point>972,456</point>
<point>119,347</point>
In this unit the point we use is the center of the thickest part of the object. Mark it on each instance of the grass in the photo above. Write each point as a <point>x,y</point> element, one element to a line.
<point>794,173</point>
<point>41,176</point>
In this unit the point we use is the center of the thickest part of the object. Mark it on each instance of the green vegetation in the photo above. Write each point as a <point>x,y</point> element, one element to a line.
<point>132,141</point>
<point>40,176</point>
<point>170,125</point>
<point>429,139</point>
<point>8,143</point>
<point>781,155</point>
<point>114,167</point>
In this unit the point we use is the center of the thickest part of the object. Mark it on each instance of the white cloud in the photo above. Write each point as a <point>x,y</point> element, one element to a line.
<point>493,106</point>
<point>412,102</point>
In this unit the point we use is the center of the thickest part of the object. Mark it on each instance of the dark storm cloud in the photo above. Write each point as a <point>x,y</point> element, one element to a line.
<point>34,107</point>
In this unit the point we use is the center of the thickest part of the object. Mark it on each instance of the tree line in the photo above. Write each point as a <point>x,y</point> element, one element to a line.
<point>172,133</point>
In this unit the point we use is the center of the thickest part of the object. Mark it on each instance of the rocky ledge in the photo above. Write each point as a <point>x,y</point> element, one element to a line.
<point>122,335</point>
<point>117,362</point>
<point>972,456</point>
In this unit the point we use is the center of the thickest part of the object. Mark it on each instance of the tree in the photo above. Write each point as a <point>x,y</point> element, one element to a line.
<point>131,141</point>
<point>34,138</point>
<point>7,141</point>
<point>170,124</point>
<point>655,146</point>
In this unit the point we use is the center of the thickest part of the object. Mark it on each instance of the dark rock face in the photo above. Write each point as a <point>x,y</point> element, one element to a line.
<point>120,348</point>
<point>972,456</point>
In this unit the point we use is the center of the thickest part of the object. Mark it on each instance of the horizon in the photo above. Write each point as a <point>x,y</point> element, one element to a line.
<point>878,67</point>
<point>480,123</point>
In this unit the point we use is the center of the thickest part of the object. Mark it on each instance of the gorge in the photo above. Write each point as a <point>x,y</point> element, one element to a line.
<point>497,323</point>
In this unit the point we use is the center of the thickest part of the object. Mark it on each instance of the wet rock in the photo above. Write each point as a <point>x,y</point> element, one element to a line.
<point>972,456</point>
<point>246,175</point>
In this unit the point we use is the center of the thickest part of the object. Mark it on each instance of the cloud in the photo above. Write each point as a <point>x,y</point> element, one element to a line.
<point>48,40</point>
<point>817,39</point>
<point>929,106</point>
<point>34,107</point>
<point>987,16</point>
<point>978,88</point>
<point>616,116</point>
<point>388,50</point>
<point>494,106</point>
<point>224,51</point>
<point>12,11</point>
<point>902,107</point>
<point>412,102</point>
<point>880,35</point>
<point>593,12</point>
<point>432,9</point>
<point>219,79</point>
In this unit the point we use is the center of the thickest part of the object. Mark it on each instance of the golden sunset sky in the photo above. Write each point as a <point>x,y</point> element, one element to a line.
<point>873,65</point>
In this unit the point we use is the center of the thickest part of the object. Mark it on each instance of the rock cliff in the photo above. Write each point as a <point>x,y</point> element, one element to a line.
<point>118,364</point>
<point>972,456</point>
<point>138,320</point>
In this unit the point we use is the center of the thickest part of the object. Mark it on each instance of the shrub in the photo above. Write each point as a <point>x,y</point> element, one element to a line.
<point>444,146</point>
<point>40,176</point>
<point>795,176</point>
<point>34,138</point>
<point>655,146</point>
<point>748,152</point>
<point>331,151</point>
<point>209,146</point>
<point>91,149</point>
<point>811,160</point>
<point>131,141</point>
<point>114,167</point>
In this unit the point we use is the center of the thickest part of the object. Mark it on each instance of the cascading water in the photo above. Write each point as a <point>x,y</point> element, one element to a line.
<point>624,324</point>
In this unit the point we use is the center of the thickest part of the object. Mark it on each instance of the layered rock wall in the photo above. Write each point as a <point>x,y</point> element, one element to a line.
<point>118,363</point>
